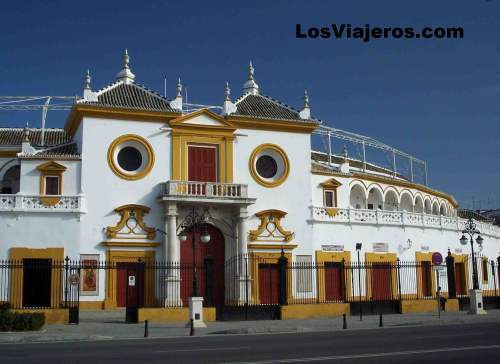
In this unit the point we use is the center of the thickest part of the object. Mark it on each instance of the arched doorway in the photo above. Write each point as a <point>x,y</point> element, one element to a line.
<point>209,261</point>
<point>11,180</point>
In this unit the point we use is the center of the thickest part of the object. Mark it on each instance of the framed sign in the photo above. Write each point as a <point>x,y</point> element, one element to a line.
<point>89,274</point>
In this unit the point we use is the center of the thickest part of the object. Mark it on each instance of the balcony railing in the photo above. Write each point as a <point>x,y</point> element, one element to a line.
<point>204,190</point>
<point>403,218</point>
<point>35,203</point>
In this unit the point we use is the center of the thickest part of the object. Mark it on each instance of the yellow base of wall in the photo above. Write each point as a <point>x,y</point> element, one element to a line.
<point>427,306</point>
<point>91,305</point>
<point>452,305</point>
<point>314,310</point>
<point>180,314</point>
<point>52,315</point>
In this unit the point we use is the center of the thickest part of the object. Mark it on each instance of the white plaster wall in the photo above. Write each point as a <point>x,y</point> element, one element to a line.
<point>30,176</point>
<point>293,196</point>
<point>105,191</point>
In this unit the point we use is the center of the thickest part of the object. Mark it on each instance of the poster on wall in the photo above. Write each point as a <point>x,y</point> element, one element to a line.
<point>89,275</point>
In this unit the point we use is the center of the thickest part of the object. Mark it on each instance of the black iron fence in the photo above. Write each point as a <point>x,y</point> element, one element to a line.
<point>247,281</point>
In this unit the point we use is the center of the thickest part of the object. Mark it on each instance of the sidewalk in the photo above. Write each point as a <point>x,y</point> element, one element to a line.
<point>109,325</point>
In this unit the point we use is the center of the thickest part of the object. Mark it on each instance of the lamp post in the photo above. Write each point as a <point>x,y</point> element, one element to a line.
<point>475,294</point>
<point>358,249</point>
<point>193,223</point>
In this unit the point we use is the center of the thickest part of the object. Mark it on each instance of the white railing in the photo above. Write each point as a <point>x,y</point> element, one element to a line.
<point>403,218</point>
<point>38,203</point>
<point>212,190</point>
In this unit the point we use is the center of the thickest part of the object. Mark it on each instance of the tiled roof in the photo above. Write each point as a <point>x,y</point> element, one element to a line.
<point>265,107</point>
<point>130,96</point>
<point>15,137</point>
<point>470,214</point>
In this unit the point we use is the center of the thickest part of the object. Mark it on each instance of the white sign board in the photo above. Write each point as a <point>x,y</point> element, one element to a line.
<point>440,268</point>
<point>131,281</point>
<point>380,247</point>
<point>332,248</point>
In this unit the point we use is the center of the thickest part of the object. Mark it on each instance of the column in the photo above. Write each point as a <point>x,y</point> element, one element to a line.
<point>244,277</point>
<point>172,257</point>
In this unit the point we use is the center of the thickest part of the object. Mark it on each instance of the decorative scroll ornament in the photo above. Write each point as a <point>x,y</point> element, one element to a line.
<point>270,228</point>
<point>131,224</point>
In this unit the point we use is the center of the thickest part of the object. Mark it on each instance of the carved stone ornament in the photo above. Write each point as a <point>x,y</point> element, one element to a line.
<point>131,224</point>
<point>270,228</point>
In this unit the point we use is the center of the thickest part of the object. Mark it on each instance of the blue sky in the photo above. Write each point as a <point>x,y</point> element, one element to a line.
<point>436,99</point>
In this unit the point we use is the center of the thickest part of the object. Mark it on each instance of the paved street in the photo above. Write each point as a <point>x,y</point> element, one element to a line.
<point>443,344</point>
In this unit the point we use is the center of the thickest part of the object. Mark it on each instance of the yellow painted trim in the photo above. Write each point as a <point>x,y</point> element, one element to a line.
<point>253,159</point>
<point>125,212</point>
<point>122,256</point>
<point>225,123</point>
<point>91,305</point>
<point>243,122</point>
<point>424,257</point>
<point>418,306</point>
<point>8,153</point>
<point>273,246</point>
<point>270,217</point>
<point>130,244</point>
<point>113,113</point>
<point>331,257</point>
<point>16,276</point>
<point>129,176</point>
<point>52,169</point>
<point>298,311</point>
<point>390,258</point>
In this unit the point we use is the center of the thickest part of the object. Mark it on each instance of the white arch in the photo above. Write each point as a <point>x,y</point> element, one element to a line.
<point>391,200</point>
<point>443,209</point>
<point>427,205</point>
<point>406,201</point>
<point>357,196</point>
<point>375,199</point>
<point>435,207</point>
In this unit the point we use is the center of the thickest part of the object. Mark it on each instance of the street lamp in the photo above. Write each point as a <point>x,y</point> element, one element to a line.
<point>471,230</point>
<point>475,295</point>
<point>193,223</point>
<point>358,249</point>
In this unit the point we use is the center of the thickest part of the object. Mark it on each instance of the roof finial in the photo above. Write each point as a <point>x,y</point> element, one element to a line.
<point>88,79</point>
<point>126,75</point>
<point>179,88</point>
<point>227,92</point>
<point>26,133</point>
<point>251,87</point>
<point>305,113</point>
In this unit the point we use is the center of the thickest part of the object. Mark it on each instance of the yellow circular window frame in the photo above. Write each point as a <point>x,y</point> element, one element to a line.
<point>253,170</point>
<point>116,169</point>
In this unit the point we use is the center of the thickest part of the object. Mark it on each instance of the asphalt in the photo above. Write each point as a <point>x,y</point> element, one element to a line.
<point>464,343</point>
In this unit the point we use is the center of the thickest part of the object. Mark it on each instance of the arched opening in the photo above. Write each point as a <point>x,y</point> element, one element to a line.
<point>375,199</point>
<point>357,198</point>
<point>406,202</point>
<point>391,201</point>
<point>435,208</point>
<point>442,209</point>
<point>11,180</point>
<point>427,206</point>
<point>209,263</point>
<point>419,204</point>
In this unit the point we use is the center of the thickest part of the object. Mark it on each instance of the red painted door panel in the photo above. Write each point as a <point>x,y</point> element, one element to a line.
<point>131,295</point>
<point>381,282</point>
<point>333,281</point>
<point>426,279</point>
<point>202,164</point>
<point>269,283</point>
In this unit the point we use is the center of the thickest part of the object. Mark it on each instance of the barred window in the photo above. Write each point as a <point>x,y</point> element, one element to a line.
<point>304,273</point>
<point>484,266</point>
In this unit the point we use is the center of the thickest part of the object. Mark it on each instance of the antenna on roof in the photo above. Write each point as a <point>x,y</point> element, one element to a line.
<point>165,86</point>
<point>44,116</point>
<point>186,93</point>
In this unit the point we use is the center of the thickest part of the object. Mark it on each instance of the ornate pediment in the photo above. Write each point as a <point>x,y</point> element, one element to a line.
<point>131,224</point>
<point>270,228</point>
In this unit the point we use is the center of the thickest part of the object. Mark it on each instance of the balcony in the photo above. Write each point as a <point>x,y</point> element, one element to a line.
<point>402,218</point>
<point>35,203</point>
<point>215,192</point>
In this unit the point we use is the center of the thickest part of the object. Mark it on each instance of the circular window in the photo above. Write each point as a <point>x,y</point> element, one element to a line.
<point>130,157</point>
<point>269,165</point>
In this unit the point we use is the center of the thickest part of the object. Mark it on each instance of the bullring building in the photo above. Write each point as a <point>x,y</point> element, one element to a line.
<point>134,181</point>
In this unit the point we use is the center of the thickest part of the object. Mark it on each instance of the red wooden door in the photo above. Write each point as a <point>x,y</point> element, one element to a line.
<point>130,295</point>
<point>381,282</point>
<point>202,164</point>
<point>269,283</point>
<point>426,279</point>
<point>460,279</point>
<point>208,285</point>
<point>333,281</point>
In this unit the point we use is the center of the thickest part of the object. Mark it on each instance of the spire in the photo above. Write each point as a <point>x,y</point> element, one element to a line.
<point>228,107</point>
<point>126,75</point>
<point>344,153</point>
<point>26,132</point>
<point>26,148</point>
<point>176,103</point>
<point>251,87</point>
<point>305,113</point>
<point>88,79</point>
<point>344,166</point>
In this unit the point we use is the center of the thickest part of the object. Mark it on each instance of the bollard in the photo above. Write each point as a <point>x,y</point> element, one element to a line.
<point>146,328</point>
<point>344,325</point>
<point>191,325</point>
<point>380,322</point>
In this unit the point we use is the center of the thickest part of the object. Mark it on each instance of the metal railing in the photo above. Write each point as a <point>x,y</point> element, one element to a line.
<point>38,203</point>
